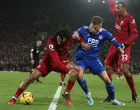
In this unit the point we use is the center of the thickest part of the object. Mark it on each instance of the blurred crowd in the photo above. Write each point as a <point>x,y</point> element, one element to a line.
<point>21,23</point>
<point>15,45</point>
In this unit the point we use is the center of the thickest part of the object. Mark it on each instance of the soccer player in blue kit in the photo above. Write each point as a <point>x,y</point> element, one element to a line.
<point>86,55</point>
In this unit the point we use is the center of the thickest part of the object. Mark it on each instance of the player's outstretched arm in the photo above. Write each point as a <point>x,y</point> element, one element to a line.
<point>112,6</point>
<point>114,41</point>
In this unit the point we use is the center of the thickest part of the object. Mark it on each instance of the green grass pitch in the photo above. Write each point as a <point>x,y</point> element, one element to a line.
<point>43,93</point>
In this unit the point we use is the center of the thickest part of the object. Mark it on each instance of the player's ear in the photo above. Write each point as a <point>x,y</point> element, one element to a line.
<point>101,25</point>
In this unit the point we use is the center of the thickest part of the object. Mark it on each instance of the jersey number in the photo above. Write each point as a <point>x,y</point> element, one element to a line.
<point>124,57</point>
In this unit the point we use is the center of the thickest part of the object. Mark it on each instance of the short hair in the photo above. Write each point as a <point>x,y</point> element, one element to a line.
<point>123,4</point>
<point>96,20</point>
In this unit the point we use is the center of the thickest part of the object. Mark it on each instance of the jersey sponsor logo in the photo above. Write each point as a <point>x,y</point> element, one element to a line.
<point>51,47</point>
<point>118,27</point>
<point>93,42</point>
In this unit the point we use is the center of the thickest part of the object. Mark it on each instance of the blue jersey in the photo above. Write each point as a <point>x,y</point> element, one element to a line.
<point>95,41</point>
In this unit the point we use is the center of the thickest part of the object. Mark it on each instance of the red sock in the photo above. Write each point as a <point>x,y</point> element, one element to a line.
<point>69,86</point>
<point>62,77</point>
<point>131,84</point>
<point>18,92</point>
<point>110,77</point>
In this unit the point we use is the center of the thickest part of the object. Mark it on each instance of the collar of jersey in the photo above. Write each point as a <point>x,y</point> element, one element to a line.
<point>99,31</point>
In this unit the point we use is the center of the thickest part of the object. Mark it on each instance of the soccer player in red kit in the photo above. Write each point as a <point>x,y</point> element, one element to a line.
<point>51,62</point>
<point>125,32</point>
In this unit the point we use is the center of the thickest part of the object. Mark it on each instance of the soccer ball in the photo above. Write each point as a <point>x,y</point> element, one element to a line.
<point>26,98</point>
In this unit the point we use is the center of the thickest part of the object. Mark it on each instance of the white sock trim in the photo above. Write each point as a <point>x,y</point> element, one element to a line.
<point>14,97</point>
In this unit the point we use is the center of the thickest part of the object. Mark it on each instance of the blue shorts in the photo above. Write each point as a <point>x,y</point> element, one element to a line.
<point>94,65</point>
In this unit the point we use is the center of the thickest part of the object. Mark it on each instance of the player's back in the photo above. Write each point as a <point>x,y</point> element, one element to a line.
<point>122,27</point>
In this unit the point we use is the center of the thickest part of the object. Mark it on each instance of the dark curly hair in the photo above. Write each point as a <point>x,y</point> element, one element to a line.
<point>63,33</point>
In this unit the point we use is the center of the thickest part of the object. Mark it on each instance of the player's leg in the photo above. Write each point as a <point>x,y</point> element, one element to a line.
<point>96,67</point>
<point>110,88</point>
<point>130,81</point>
<point>125,67</point>
<point>41,70</point>
<point>119,73</point>
<point>62,76</point>
<point>82,82</point>
<point>70,84</point>
<point>110,60</point>
<point>35,65</point>
<point>24,85</point>
<point>66,94</point>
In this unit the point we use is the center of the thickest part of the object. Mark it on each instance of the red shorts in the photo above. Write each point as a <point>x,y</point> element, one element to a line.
<point>114,58</point>
<point>46,67</point>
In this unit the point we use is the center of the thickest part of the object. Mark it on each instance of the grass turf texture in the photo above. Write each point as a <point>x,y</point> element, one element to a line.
<point>43,93</point>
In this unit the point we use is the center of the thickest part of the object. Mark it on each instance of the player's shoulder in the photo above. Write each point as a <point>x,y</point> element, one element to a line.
<point>50,44</point>
<point>84,28</point>
<point>103,30</point>
<point>51,40</point>
<point>130,17</point>
<point>106,32</point>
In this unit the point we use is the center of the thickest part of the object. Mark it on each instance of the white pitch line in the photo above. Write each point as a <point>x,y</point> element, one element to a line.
<point>55,99</point>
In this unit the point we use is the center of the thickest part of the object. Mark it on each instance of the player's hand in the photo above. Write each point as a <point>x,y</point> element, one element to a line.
<point>76,36</point>
<point>123,45</point>
<point>32,61</point>
<point>121,50</point>
<point>85,46</point>
<point>72,72</point>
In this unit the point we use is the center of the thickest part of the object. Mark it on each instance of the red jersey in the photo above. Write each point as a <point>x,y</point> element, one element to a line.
<point>56,55</point>
<point>125,30</point>
<point>64,52</point>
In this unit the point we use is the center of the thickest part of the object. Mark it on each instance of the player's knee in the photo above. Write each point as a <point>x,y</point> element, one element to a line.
<point>29,80</point>
<point>33,77</point>
<point>80,73</point>
<point>80,77</point>
<point>107,80</point>
<point>125,69</point>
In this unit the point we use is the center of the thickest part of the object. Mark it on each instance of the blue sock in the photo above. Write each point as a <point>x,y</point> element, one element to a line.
<point>110,90</point>
<point>83,85</point>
